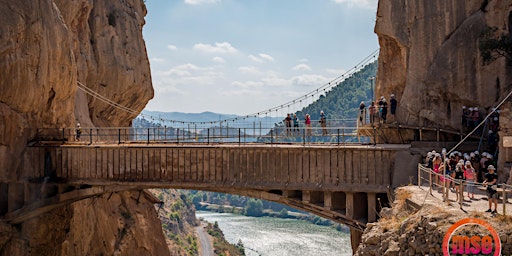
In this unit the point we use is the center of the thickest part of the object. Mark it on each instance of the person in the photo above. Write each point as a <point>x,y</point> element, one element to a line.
<point>78,132</point>
<point>362,113</point>
<point>393,106</point>
<point>295,123</point>
<point>490,183</point>
<point>323,123</point>
<point>288,123</point>
<point>465,115</point>
<point>470,175</point>
<point>383,109</point>
<point>307,121</point>
<point>492,141</point>
<point>437,164</point>
<point>373,112</point>
<point>459,179</point>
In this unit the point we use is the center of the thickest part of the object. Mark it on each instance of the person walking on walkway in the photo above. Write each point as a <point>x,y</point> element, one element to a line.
<point>323,123</point>
<point>492,194</point>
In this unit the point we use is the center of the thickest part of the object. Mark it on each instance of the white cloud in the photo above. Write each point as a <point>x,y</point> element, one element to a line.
<point>157,60</point>
<point>247,84</point>
<point>181,70</point>
<point>262,57</point>
<point>249,70</point>
<point>255,59</point>
<point>223,47</point>
<point>304,60</point>
<point>242,92</point>
<point>199,2</point>
<point>274,80</point>
<point>337,72</point>
<point>310,80</point>
<point>266,57</point>
<point>218,60</point>
<point>172,47</point>
<point>302,67</point>
<point>368,4</point>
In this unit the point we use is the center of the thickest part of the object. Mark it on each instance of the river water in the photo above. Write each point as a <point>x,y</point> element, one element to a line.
<point>280,237</point>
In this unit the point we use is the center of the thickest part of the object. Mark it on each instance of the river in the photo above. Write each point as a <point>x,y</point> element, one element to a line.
<point>280,237</point>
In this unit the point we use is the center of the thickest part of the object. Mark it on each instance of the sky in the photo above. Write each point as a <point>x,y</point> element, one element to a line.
<point>245,56</point>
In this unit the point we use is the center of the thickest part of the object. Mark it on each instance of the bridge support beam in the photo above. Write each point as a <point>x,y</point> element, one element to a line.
<point>4,198</point>
<point>372,207</point>
<point>355,238</point>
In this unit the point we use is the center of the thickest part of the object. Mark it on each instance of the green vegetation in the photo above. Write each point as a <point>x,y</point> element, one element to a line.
<point>342,102</point>
<point>219,202</point>
<point>219,242</point>
<point>493,45</point>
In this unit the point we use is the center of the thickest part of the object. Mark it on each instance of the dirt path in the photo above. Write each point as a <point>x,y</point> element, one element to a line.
<point>206,248</point>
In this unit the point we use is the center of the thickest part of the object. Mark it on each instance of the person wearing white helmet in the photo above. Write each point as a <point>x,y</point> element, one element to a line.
<point>491,178</point>
<point>475,118</point>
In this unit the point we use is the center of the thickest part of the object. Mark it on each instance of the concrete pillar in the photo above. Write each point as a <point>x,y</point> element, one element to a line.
<point>372,207</point>
<point>328,200</point>
<point>355,238</point>
<point>349,204</point>
<point>306,196</point>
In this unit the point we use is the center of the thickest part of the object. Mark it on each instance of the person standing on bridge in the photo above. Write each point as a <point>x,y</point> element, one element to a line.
<point>295,124</point>
<point>323,123</point>
<point>373,112</point>
<point>362,113</point>
<point>307,121</point>
<point>288,124</point>
<point>393,104</point>
<point>78,131</point>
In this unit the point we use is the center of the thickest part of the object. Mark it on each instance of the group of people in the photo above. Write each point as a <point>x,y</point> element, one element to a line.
<point>378,112</point>
<point>471,117</point>
<point>469,169</point>
<point>290,121</point>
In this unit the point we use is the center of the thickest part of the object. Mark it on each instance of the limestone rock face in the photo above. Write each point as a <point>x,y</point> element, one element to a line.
<point>430,59</point>
<point>47,49</point>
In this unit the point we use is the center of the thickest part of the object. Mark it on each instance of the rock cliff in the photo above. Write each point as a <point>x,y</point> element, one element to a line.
<point>47,47</point>
<point>430,59</point>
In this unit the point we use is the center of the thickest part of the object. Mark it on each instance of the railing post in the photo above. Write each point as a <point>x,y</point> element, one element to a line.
<point>430,181</point>
<point>148,136</point>
<point>271,136</point>
<point>245,134</point>
<point>304,136</point>
<point>208,136</point>
<point>178,135</point>
<point>90,136</point>
<point>437,130</point>
<point>338,136</point>
<point>504,199</point>
<point>63,134</point>
<point>421,134</point>
<point>419,176</point>
<point>239,136</point>
<point>119,135</point>
<point>461,193</point>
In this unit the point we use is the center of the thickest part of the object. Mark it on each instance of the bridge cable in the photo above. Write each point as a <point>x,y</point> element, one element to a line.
<point>321,89</point>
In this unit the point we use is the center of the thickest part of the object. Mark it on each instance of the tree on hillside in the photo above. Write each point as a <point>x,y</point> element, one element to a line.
<point>342,101</point>
<point>493,46</point>
<point>254,208</point>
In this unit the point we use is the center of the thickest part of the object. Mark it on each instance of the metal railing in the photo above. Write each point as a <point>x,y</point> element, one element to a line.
<point>269,135</point>
<point>443,181</point>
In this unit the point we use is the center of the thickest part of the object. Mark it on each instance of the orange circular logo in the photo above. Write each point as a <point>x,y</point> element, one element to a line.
<point>474,245</point>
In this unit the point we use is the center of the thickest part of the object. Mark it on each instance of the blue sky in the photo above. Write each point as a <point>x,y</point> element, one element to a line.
<point>245,56</point>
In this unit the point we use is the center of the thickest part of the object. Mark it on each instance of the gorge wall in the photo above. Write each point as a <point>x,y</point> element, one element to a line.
<point>430,59</point>
<point>47,47</point>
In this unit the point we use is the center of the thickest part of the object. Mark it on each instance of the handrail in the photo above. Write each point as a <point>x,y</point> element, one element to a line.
<point>431,174</point>
<point>273,135</point>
